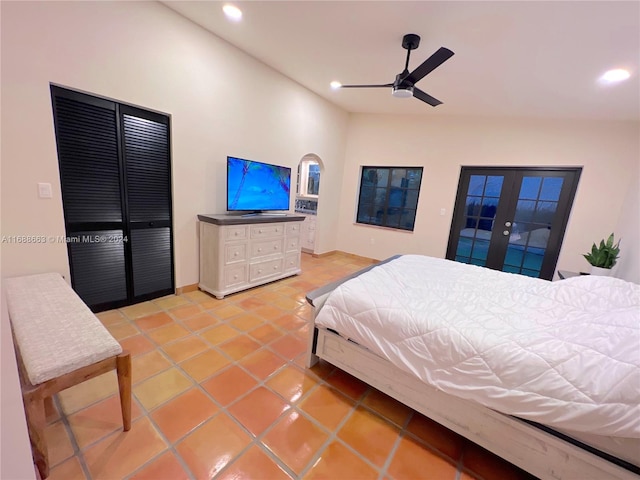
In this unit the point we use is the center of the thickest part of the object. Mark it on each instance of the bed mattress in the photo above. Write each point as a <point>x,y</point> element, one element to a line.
<point>564,354</point>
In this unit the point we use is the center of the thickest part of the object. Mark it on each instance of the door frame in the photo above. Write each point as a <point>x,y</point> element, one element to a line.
<point>560,223</point>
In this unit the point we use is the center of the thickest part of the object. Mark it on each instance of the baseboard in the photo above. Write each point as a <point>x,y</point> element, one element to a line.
<point>325,254</point>
<point>359,257</point>
<point>187,289</point>
<point>345,254</point>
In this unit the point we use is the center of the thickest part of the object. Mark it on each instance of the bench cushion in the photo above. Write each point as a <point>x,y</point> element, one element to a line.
<point>54,329</point>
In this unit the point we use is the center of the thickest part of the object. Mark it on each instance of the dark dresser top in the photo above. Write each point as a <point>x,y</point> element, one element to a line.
<point>224,219</point>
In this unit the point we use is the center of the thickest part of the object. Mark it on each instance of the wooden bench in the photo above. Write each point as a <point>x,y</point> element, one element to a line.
<point>59,343</point>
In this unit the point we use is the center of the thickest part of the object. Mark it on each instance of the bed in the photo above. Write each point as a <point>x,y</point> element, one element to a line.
<point>543,374</point>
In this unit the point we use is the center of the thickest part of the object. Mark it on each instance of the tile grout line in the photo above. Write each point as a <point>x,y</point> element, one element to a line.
<point>396,444</point>
<point>72,438</point>
<point>198,385</point>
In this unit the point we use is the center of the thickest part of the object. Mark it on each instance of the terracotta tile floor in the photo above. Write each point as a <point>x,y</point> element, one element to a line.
<point>220,391</point>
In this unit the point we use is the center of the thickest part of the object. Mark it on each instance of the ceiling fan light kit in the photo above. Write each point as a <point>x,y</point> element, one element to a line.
<point>399,92</point>
<point>404,84</point>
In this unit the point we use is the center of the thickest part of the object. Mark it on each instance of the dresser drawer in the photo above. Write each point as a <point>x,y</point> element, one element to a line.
<point>266,269</point>
<point>292,244</point>
<point>311,223</point>
<point>235,233</point>
<point>266,248</point>
<point>267,230</point>
<point>293,228</point>
<point>235,275</point>
<point>235,252</point>
<point>292,262</point>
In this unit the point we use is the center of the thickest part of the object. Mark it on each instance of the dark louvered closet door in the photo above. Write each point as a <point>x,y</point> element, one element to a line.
<point>115,171</point>
<point>90,178</point>
<point>148,180</point>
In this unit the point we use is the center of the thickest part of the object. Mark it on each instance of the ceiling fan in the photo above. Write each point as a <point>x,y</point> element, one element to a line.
<point>404,85</point>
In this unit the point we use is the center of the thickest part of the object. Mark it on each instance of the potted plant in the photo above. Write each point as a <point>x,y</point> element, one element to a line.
<point>603,257</point>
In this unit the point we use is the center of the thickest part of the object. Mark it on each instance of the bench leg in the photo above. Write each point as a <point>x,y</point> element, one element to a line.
<point>123,367</point>
<point>49,407</point>
<point>34,410</point>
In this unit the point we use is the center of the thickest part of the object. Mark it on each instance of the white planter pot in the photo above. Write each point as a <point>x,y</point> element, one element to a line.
<point>605,272</point>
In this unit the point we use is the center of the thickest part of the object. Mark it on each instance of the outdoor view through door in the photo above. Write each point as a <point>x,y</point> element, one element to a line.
<point>512,219</point>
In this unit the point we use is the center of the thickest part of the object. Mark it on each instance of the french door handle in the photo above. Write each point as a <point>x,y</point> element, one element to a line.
<point>507,224</point>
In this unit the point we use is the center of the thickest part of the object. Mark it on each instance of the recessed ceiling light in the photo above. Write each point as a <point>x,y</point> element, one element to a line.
<point>232,13</point>
<point>614,76</point>
<point>335,84</point>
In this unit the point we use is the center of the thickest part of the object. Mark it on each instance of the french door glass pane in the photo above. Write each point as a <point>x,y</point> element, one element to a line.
<point>530,188</point>
<point>476,184</point>
<point>480,249</point>
<point>514,256</point>
<point>481,205</point>
<point>551,187</point>
<point>493,187</point>
<point>524,211</point>
<point>535,212</point>
<point>473,206</point>
<point>545,211</point>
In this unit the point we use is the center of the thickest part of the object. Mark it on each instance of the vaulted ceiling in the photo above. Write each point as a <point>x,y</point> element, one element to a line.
<point>539,59</point>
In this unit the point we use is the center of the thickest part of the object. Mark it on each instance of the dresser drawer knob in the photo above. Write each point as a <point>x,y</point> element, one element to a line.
<point>259,231</point>
<point>235,277</point>
<point>235,233</point>
<point>259,271</point>
<point>260,249</point>
<point>275,267</point>
<point>235,254</point>
<point>275,247</point>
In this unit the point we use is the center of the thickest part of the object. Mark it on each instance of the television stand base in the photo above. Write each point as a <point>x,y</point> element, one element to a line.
<point>264,214</point>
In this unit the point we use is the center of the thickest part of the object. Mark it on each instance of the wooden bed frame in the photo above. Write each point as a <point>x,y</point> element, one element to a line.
<point>534,450</point>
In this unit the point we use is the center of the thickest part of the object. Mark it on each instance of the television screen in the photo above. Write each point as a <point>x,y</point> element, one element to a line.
<point>257,186</point>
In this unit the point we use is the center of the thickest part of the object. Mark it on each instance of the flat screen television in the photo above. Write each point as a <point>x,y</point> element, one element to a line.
<point>256,186</point>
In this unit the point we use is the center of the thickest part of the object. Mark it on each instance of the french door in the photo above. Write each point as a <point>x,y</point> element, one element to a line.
<point>116,192</point>
<point>512,219</point>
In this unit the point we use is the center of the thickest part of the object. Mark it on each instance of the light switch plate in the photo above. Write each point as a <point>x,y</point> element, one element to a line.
<point>44,190</point>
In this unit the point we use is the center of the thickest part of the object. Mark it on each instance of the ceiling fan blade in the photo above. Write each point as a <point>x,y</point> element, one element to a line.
<point>425,97</point>
<point>430,64</point>
<point>367,86</point>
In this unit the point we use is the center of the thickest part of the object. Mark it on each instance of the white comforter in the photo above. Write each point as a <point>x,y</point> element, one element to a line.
<point>565,354</point>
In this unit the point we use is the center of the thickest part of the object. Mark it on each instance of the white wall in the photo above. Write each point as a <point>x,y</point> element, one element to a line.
<point>628,232</point>
<point>608,151</point>
<point>222,102</point>
<point>15,451</point>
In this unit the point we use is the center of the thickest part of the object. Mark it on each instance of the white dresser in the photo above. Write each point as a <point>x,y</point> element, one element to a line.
<point>308,233</point>
<point>237,253</point>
